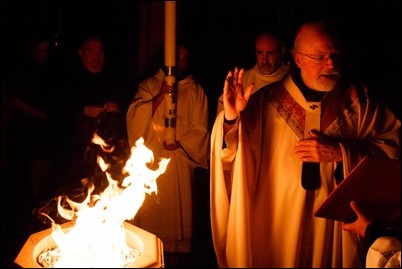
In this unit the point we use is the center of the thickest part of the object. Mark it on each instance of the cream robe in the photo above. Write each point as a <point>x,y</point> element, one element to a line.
<point>168,214</point>
<point>260,214</point>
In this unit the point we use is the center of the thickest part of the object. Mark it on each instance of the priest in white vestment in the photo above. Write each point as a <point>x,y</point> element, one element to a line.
<point>262,210</point>
<point>168,214</point>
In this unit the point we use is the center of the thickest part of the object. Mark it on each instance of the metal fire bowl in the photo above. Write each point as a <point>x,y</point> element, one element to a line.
<point>151,247</point>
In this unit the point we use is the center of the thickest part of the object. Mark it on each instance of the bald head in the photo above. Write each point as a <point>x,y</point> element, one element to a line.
<point>267,39</point>
<point>312,33</point>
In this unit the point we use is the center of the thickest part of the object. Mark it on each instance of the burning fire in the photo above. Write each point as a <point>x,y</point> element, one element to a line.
<point>97,238</point>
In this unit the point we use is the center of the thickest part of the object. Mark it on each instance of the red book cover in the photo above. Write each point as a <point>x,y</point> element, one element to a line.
<point>375,184</point>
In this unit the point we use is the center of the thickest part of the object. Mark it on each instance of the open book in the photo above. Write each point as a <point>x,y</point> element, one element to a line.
<point>375,184</point>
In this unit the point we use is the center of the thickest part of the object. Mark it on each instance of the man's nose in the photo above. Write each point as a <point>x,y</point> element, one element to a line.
<point>264,58</point>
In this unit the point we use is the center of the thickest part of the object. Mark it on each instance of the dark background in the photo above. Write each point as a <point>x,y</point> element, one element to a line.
<point>221,34</point>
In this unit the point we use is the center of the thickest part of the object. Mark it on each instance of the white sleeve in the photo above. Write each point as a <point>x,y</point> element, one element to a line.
<point>385,252</point>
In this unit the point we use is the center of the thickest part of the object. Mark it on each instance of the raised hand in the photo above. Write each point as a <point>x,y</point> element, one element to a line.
<point>235,98</point>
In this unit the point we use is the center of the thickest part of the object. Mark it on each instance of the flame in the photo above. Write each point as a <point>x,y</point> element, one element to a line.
<point>97,238</point>
<point>96,139</point>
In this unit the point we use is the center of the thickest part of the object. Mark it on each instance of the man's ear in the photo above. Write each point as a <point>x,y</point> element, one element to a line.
<point>297,59</point>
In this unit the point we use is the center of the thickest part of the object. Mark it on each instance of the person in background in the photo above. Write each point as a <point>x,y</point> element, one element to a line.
<point>169,214</point>
<point>92,92</point>
<point>277,154</point>
<point>271,64</point>
<point>32,89</point>
<point>381,244</point>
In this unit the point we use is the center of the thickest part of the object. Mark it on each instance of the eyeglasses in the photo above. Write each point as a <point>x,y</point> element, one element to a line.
<point>321,59</point>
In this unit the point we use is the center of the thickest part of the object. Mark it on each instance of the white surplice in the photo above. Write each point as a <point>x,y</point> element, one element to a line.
<point>168,214</point>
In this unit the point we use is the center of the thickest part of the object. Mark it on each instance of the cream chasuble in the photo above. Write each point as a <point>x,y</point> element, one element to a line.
<point>260,214</point>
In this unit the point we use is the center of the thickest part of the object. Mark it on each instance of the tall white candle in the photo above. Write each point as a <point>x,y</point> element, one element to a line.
<point>170,33</point>
<point>170,78</point>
